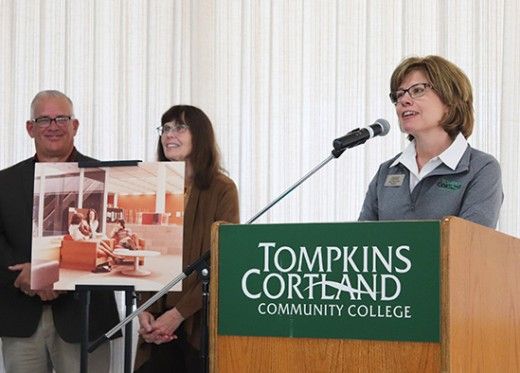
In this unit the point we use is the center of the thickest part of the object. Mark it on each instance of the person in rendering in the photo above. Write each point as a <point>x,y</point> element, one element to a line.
<point>123,236</point>
<point>439,173</point>
<point>93,221</point>
<point>41,330</point>
<point>79,230</point>
<point>170,329</point>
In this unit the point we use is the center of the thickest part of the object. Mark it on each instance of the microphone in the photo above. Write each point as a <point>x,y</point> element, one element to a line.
<point>359,136</point>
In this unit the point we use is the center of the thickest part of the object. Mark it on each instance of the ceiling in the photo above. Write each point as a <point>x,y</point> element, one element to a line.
<point>141,179</point>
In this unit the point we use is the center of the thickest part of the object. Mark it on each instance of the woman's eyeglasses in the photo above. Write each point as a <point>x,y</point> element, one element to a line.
<point>415,91</point>
<point>176,128</point>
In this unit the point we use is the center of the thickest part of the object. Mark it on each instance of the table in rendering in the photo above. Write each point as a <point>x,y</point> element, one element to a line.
<point>136,255</point>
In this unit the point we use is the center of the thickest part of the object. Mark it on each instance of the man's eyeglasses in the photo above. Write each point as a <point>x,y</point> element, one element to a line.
<point>60,120</point>
<point>176,128</point>
<point>415,91</point>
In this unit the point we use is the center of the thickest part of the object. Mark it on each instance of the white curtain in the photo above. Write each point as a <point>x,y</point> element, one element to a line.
<point>280,80</point>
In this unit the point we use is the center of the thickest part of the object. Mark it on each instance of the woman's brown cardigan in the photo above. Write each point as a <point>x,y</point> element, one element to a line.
<point>218,202</point>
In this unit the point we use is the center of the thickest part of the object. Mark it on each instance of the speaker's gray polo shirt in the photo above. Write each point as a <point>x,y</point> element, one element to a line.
<point>473,191</point>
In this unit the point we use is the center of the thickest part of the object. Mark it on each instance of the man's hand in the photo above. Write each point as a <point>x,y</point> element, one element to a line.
<point>48,294</point>
<point>23,281</point>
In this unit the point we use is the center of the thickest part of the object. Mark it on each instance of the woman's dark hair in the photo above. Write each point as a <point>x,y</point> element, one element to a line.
<point>76,218</point>
<point>88,215</point>
<point>205,155</point>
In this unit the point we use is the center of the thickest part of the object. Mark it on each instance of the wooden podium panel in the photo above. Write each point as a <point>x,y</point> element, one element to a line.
<point>479,324</point>
<point>307,355</point>
<point>480,299</point>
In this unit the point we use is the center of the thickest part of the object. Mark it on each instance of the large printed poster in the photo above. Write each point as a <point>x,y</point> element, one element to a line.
<point>119,225</point>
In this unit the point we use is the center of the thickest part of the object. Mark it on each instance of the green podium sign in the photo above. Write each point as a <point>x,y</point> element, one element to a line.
<point>362,280</point>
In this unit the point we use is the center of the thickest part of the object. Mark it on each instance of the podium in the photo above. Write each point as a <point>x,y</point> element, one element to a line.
<point>426,296</point>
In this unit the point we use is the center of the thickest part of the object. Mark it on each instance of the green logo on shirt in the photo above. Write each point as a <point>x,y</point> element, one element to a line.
<point>450,185</point>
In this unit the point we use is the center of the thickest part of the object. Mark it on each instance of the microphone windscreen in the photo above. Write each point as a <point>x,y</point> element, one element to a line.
<point>384,125</point>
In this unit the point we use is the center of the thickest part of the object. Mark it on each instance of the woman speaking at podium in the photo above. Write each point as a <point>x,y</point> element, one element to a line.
<point>170,329</point>
<point>439,173</point>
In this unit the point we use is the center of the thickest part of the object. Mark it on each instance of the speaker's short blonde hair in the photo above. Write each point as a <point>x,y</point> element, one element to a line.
<point>451,85</point>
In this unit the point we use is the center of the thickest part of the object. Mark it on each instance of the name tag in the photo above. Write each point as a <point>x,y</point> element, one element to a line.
<point>394,180</point>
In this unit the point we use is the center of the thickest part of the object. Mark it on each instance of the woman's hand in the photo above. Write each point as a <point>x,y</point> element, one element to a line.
<point>148,330</point>
<point>145,323</point>
<point>162,329</point>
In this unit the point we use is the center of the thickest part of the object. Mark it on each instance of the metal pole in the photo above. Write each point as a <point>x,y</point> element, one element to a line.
<point>291,188</point>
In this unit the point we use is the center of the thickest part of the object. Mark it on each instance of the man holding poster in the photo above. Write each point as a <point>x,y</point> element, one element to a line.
<point>40,330</point>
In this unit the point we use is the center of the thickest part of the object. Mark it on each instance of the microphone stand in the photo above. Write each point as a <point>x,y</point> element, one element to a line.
<point>335,153</point>
<point>201,265</point>
<point>290,189</point>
